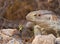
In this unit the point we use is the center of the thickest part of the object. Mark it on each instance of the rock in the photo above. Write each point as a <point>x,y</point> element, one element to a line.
<point>57,41</point>
<point>5,38</point>
<point>9,32</point>
<point>44,39</point>
<point>14,41</point>
<point>8,38</point>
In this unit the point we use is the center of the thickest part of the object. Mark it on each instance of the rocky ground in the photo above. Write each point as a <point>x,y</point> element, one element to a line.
<point>12,36</point>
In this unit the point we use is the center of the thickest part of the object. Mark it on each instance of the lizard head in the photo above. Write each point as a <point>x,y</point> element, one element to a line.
<point>41,15</point>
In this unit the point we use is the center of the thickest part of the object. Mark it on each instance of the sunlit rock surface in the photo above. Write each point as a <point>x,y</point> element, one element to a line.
<point>9,32</point>
<point>57,41</point>
<point>44,39</point>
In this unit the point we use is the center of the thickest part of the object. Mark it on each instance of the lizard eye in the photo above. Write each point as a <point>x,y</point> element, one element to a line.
<point>39,15</point>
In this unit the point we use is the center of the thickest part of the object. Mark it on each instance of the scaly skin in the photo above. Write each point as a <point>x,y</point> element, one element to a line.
<point>46,20</point>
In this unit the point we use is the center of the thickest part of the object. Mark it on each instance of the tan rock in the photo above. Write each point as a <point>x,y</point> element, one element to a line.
<point>5,38</point>
<point>9,32</point>
<point>44,39</point>
<point>14,41</point>
<point>57,40</point>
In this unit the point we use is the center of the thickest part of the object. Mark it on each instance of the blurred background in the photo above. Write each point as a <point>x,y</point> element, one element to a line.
<point>13,12</point>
